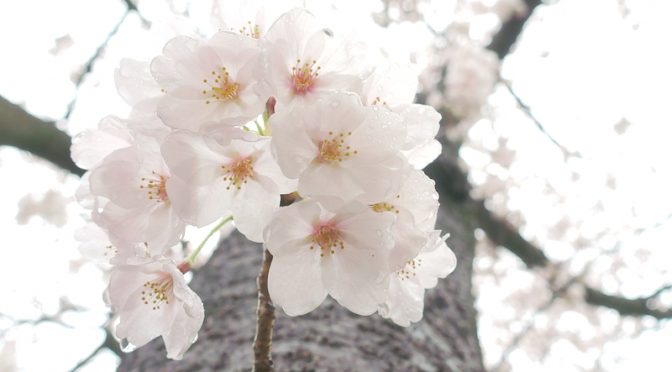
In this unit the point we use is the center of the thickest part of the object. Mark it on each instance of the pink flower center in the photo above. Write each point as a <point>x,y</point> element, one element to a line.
<point>304,77</point>
<point>158,291</point>
<point>238,172</point>
<point>156,187</point>
<point>333,149</point>
<point>327,236</point>
<point>221,87</point>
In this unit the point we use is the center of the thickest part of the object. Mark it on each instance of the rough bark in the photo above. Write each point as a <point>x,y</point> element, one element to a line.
<point>330,338</point>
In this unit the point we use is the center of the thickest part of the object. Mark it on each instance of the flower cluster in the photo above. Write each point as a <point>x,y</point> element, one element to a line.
<point>220,128</point>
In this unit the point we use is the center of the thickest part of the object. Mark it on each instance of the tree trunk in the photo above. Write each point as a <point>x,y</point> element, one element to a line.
<point>329,338</point>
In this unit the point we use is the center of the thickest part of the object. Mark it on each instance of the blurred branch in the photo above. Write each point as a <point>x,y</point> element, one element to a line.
<point>528,112</point>
<point>503,41</point>
<point>64,306</point>
<point>659,291</point>
<point>109,343</point>
<point>452,182</point>
<point>624,306</point>
<point>42,319</point>
<point>557,293</point>
<point>88,65</point>
<point>130,5</point>
<point>20,129</point>
<point>503,233</point>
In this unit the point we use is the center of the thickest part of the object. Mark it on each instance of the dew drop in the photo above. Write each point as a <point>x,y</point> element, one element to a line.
<point>126,346</point>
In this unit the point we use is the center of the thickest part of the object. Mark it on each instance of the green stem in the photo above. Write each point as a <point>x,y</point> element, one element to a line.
<point>259,128</point>
<point>219,226</point>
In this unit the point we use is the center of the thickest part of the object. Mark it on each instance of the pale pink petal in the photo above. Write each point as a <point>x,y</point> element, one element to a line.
<point>356,279</point>
<point>254,206</point>
<point>291,227</point>
<point>295,281</point>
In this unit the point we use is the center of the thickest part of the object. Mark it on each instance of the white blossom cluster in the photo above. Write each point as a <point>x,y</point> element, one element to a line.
<point>222,127</point>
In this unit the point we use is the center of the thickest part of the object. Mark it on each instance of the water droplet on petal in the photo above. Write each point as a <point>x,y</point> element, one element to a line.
<point>126,346</point>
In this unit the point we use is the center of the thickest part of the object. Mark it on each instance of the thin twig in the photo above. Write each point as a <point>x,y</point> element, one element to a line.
<point>88,65</point>
<point>556,294</point>
<point>659,291</point>
<point>265,319</point>
<point>528,112</point>
<point>109,343</point>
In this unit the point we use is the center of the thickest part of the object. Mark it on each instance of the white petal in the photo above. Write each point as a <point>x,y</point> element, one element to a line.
<point>408,240</point>
<point>189,158</point>
<point>254,206</point>
<point>199,205</point>
<point>135,82</point>
<point>405,301</point>
<point>92,146</point>
<point>418,195</point>
<point>295,281</point>
<point>118,178</point>
<point>437,262</point>
<point>290,227</point>
<point>353,278</point>
<point>292,147</point>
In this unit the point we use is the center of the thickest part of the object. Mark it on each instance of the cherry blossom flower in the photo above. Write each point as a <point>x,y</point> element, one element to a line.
<point>229,171</point>
<point>209,81</point>
<point>421,121</point>
<point>302,61</point>
<point>405,301</point>
<point>318,252</point>
<point>338,148</point>
<point>471,77</point>
<point>415,208</point>
<point>135,180</point>
<point>341,135</point>
<point>154,300</point>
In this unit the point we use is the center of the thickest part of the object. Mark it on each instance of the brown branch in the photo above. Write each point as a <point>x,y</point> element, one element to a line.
<point>265,319</point>
<point>503,233</point>
<point>452,182</point>
<point>508,34</point>
<point>20,129</point>
<point>625,306</point>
